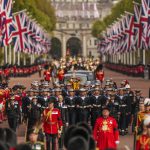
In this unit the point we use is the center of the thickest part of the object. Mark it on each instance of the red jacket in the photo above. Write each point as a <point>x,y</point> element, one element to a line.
<point>47,75</point>
<point>106,133</point>
<point>100,75</point>
<point>52,121</point>
<point>143,143</point>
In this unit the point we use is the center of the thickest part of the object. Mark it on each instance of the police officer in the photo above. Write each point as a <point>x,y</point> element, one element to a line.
<point>13,112</point>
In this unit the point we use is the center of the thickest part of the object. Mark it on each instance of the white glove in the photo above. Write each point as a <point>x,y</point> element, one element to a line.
<point>117,142</point>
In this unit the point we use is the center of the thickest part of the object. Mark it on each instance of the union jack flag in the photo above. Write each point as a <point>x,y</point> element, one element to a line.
<point>19,33</point>
<point>6,22</point>
<point>144,24</point>
<point>148,33</point>
<point>129,30</point>
<point>137,25</point>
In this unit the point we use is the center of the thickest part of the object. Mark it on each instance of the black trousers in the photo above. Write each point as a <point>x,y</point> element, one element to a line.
<point>12,123</point>
<point>51,141</point>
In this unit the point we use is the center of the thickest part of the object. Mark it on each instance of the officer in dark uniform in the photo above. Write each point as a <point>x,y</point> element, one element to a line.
<point>95,102</point>
<point>33,140</point>
<point>61,105</point>
<point>123,112</point>
<point>43,98</point>
<point>34,113</point>
<point>26,101</point>
<point>13,112</point>
<point>113,106</point>
<point>83,106</point>
<point>70,101</point>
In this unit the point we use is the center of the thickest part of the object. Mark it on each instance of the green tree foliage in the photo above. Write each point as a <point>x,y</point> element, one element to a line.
<point>41,10</point>
<point>117,10</point>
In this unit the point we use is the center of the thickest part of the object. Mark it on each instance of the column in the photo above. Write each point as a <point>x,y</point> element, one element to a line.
<point>63,46</point>
<point>10,57</point>
<point>18,58</point>
<point>84,46</point>
<point>144,58</point>
<point>124,58</point>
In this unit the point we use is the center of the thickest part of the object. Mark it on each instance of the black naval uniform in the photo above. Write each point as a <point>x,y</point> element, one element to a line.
<point>64,115</point>
<point>71,103</point>
<point>34,114</point>
<point>123,111</point>
<point>83,110</point>
<point>13,112</point>
<point>96,108</point>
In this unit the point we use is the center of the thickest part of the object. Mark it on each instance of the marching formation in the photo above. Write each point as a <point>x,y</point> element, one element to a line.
<point>50,108</point>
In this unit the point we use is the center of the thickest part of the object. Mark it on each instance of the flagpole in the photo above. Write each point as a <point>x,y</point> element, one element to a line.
<point>19,12</point>
<point>24,60</point>
<point>5,54</point>
<point>14,56</point>
<point>18,58</point>
<point>144,58</point>
<point>9,53</point>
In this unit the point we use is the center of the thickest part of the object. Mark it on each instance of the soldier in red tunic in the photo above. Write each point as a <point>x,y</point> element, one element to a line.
<point>52,124</point>
<point>47,75</point>
<point>61,73</point>
<point>105,131</point>
<point>143,140</point>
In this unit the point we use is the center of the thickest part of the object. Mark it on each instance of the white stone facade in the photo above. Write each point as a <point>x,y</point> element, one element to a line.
<point>75,19</point>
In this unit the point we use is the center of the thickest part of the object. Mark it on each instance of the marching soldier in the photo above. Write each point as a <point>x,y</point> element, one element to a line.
<point>96,105</point>
<point>123,112</point>
<point>13,112</point>
<point>71,104</point>
<point>61,105</point>
<point>113,106</point>
<point>52,124</point>
<point>83,106</point>
<point>34,113</point>
<point>43,99</point>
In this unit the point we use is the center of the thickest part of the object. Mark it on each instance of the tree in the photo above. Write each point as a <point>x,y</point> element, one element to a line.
<point>116,11</point>
<point>41,10</point>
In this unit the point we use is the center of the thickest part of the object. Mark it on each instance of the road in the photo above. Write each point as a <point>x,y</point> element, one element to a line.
<point>136,83</point>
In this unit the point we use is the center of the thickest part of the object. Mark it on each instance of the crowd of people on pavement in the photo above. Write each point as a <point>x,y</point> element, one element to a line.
<point>59,116</point>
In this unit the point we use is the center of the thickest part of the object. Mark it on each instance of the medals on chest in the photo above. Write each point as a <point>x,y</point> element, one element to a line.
<point>105,126</point>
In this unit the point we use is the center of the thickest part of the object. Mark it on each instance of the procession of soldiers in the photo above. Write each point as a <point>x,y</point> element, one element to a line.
<point>55,113</point>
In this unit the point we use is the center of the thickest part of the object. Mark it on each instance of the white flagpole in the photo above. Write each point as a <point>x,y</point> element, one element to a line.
<point>5,55</point>
<point>18,58</point>
<point>14,56</point>
<point>10,54</point>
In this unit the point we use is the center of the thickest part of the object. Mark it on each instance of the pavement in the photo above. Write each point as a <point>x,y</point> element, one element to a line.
<point>126,142</point>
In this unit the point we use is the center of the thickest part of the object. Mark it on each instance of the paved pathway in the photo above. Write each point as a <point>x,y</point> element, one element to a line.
<point>136,83</point>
